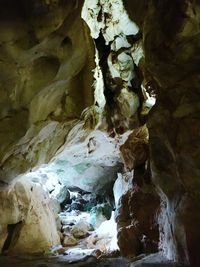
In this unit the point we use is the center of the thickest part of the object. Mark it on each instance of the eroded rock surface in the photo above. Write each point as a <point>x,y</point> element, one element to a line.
<point>171,45</point>
<point>27,220</point>
<point>46,63</point>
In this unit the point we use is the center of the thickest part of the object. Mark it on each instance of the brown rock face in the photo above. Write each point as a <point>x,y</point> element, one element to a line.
<point>138,230</point>
<point>171,45</point>
<point>135,150</point>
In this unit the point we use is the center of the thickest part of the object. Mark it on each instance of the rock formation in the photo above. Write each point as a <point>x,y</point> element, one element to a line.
<point>171,43</point>
<point>100,97</point>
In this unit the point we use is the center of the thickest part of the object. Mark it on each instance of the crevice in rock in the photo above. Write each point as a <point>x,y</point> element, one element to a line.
<point>13,231</point>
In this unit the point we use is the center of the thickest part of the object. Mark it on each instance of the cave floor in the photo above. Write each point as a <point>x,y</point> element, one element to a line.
<point>154,260</point>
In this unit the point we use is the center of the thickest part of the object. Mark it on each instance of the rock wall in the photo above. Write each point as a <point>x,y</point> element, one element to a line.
<point>171,44</point>
<point>53,74</point>
<point>46,63</point>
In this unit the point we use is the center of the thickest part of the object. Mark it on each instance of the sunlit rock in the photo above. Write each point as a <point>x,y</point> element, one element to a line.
<point>122,184</point>
<point>43,64</point>
<point>84,165</point>
<point>135,150</point>
<point>80,229</point>
<point>110,19</point>
<point>107,13</point>
<point>27,219</point>
<point>105,236</point>
<point>99,214</point>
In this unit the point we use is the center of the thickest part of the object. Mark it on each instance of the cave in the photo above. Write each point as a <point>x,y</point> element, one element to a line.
<point>99,133</point>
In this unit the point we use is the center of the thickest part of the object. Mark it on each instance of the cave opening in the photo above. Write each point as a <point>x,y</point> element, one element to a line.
<point>66,185</point>
<point>99,133</point>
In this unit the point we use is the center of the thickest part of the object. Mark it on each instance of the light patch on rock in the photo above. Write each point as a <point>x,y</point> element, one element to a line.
<point>137,52</point>
<point>99,83</point>
<point>109,17</point>
<point>129,102</point>
<point>80,229</point>
<point>105,237</point>
<point>78,165</point>
<point>149,101</point>
<point>121,186</point>
<point>26,203</point>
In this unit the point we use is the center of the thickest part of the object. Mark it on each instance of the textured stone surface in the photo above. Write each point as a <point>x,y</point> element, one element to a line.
<point>135,150</point>
<point>46,62</point>
<point>111,28</point>
<point>138,230</point>
<point>89,162</point>
<point>27,221</point>
<point>46,81</point>
<point>69,240</point>
<point>171,45</point>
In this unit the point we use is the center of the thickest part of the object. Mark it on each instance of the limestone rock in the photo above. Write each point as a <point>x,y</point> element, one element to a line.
<point>83,165</point>
<point>122,184</point>
<point>69,240</point>
<point>80,229</point>
<point>61,194</point>
<point>57,250</point>
<point>104,237</point>
<point>171,43</point>
<point>135,150</point>
<point>46,54</point>
<point>27,209</point>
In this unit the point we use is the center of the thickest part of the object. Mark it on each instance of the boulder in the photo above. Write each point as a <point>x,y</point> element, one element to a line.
<point>27,220</point>
<point>61,194</point>
<point>69,240</point>
<point>81,229</point>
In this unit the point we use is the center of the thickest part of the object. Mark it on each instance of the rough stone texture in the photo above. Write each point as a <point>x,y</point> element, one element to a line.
<point>80,229</point>
<point>27,221</point>
<point>69,240</point>
<point>135,150</point>
<point>138,230</point>
<point>46,60</point>
<point>87,161</point>
<point>171,46</point>
<point>111,28</point>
